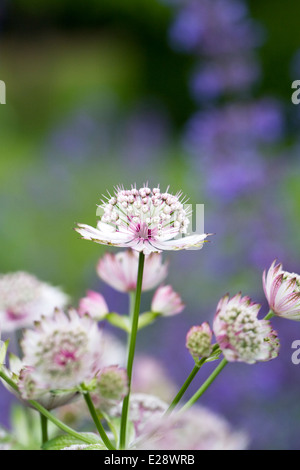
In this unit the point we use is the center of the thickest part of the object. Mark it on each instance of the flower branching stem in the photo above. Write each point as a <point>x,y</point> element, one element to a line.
<point>188,381</point>
<point>205,385</point>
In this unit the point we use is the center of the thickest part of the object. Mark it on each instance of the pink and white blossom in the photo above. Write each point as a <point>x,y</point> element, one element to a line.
<point>145,220</point>
<point>120,270</point>
<point>241,335</point>
<point>93,305</point>
<point>62,351</point>
<point>282,290</point>
<point>166,301</point>
<point>24,299</point>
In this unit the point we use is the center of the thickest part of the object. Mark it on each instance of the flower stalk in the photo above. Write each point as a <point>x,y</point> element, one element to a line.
<point>205,385</point>
<point>131,349</point>
<point>97,421</point>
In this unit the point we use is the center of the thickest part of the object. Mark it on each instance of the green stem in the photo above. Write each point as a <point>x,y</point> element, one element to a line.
<point>185,385</point>
<point>44,428</point>
<point>45,412</point>
<point>97,421</point>
<point>131,349</point>
<point>271,314</point>
<point>189,380</point>
<point>131,312</point>
<point>205,385</point>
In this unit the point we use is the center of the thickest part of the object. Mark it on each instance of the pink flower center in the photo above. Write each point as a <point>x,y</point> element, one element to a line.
<point>14,316</point>
<point>141,231</point>
<point>64,357</point>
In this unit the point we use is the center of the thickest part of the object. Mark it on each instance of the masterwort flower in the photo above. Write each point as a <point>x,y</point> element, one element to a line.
<point>166,301</point>
<point>282,290</point>
<point>62,351</point>
<point>24,299</point>
<point>241,335</point>
<point>145,220</point>
<point>120,270</point>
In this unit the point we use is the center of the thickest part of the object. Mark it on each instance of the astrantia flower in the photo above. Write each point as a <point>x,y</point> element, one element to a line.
<point>282,290</point>
<point>23,299</point>
<point>198,340</point>
<point>166,301</point>
<point>241,336</point>
<point>63,351</point>
<point>145,220</point>
<point>196,429</point>
<point>120,270</point>
<point>94,305</point>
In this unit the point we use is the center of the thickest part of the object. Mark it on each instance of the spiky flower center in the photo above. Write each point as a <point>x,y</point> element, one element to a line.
<point>145,212</point>
<point>245,333</point>
<point>63,352</point>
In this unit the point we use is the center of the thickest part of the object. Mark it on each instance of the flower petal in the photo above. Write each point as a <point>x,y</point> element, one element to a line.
<point>186,243</point>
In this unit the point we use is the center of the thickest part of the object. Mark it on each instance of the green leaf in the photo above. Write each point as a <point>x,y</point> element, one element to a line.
<point>120,321</point>
<point>95,447</point>
<point>147,318</point>
<point>3,350</point>
<point>214,356</point>
<point>60,442</point>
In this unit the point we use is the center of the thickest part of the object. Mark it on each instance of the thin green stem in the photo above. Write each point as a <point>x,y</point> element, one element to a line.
<point>97,421</point>
<point>205,385</point>
<point>44,428</point>
<point>185,386</point>
<point>45,412</point>
<point>130,312</point>
<point>131,349</point>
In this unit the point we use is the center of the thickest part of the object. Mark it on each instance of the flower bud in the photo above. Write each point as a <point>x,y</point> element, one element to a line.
<point>198,340</point>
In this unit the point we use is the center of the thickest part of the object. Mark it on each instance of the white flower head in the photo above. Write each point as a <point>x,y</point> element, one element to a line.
<point>120,270</point>
<point>24,299</point>
<point>241,335</point>
<point>282,290</point>
<point>145,220</point>
<point>63,351</point>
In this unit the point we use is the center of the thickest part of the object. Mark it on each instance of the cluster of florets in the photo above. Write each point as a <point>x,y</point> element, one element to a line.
<point>240,334</point>
<point>149,206</point>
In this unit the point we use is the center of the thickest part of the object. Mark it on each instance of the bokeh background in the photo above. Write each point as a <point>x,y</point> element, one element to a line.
<point>195,94</point>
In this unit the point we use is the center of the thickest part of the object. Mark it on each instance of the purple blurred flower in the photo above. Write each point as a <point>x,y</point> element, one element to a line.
<point>229,76</point>
<point>214,28</point>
